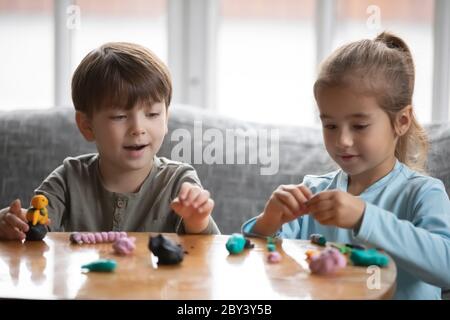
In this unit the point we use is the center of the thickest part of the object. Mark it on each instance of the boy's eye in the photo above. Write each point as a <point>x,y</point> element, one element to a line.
<point>152,114</point>
<point>118,117</point>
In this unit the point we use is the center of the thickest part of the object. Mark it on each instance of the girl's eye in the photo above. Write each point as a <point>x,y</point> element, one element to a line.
<point>330,126</point>
<point>360,126</point>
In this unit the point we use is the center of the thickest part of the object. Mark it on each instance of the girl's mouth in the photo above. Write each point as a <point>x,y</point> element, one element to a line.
<point>348,157</point>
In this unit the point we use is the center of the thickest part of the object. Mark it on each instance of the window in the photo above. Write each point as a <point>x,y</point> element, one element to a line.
<point>139,21</point>
<point>262,54</point>
<point>266,60</point>
<point>26,57</point>
<point>412,20</point>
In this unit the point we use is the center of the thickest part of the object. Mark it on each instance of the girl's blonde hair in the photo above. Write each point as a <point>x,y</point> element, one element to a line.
<point>383,68</point>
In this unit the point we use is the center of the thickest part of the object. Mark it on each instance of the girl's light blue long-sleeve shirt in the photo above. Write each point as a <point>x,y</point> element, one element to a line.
<point>406,214</point>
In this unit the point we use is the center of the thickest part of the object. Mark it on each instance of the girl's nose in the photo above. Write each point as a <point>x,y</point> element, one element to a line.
<point>345,139</point>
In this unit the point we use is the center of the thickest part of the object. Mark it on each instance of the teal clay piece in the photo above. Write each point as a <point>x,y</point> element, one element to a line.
<point>235,243</point>
<point>271,247</point>
<point>102,265</point>
<point>368,257</point>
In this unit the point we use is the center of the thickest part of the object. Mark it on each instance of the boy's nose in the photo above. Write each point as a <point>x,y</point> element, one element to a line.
<point>137,128</point>
<point>137,131</point>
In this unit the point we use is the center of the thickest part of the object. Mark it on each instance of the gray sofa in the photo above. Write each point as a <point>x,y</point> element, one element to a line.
<point>34,142</point>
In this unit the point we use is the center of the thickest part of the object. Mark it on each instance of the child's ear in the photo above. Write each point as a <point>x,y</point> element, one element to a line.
<point>84,124</point>
<point>403,120</point>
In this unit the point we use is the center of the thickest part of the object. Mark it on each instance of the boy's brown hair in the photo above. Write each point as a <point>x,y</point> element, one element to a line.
<point>384,68</point>
<point>119,75</point>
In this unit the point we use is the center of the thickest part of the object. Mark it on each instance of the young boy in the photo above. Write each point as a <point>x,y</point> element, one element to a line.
<point>121,93</point>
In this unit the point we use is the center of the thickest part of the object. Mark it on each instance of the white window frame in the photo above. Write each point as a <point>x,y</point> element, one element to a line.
<point>441,63</point>
<point>63,54</point>
<point>325,22</point>
<point>192,26</point>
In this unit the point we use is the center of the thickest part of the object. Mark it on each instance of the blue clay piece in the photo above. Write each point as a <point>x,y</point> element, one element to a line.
<point>235,243</point>
<point>271,247</point>
<point>102,265</point>
<point>368,258</point>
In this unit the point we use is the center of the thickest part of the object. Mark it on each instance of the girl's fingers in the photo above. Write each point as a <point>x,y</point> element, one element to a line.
<point>321,206</point>
<point>288,200</point>
<point>296,192</point>
<point>306,192</point>
<point>321,196</point>
<point>301,198</point>
<point>288,215</point>
<point>325,217</point>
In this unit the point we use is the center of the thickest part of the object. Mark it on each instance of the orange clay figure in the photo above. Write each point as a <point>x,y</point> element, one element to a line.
<point>310,253</point>
<point>38,213</point>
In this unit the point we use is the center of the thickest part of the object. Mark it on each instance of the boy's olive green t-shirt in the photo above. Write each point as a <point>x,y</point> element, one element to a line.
<point>79,202</point>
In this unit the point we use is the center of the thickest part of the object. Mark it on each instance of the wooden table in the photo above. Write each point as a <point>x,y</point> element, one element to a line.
<point>51,269</point>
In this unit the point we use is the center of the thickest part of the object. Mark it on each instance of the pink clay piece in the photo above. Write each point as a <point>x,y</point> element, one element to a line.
<point>124,245</point>
<point>329,261</point>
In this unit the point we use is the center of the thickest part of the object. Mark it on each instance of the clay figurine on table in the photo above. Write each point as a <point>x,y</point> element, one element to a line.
<point>37,217</point>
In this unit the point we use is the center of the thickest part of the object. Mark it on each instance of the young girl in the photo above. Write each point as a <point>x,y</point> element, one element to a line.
<point>364,93</point>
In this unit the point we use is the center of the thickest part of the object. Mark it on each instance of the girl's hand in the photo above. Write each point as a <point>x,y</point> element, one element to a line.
<point>337,208</point>
<point>194,205</point>
<point>286,203</point>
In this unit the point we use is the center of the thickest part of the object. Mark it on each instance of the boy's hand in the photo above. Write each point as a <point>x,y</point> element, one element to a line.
<point>13,222</point>
<point>286,203</point>
<point>337,208</point>
<point>194,205</point>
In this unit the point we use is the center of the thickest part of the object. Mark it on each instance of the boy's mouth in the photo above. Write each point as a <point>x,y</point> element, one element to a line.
<point>135,147</point>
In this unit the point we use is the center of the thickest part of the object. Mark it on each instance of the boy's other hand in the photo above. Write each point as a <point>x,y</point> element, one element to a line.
<point>194,205</point>
<point>286,203</point>
<point>13,222</point>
